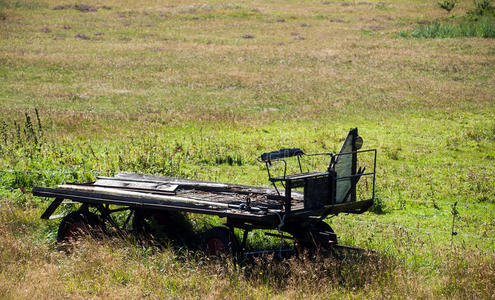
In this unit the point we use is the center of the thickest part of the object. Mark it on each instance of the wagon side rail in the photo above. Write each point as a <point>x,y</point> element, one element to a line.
<point>354,178</point>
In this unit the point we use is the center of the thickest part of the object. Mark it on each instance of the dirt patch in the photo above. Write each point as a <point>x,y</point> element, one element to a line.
<point>63,6</point>
<point>248,36</point>
<point>375,27</point>
<point>358,3</point>
<point>81,7</point>
<point>45,30</point>
<point>82,36</point>
<point>85,8</point>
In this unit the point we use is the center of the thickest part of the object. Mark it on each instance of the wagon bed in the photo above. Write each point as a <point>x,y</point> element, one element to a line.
<point>160,192</point>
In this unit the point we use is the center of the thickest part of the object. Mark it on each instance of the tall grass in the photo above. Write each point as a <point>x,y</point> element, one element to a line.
<point>485,28</point>
<point>116,268</point>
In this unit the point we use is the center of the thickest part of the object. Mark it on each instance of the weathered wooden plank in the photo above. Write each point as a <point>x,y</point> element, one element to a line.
<point>168,187</point>
<point>149,191</point>
<point>94,198</point>
<point>139,195</point>
<point>51,209</point>
<point>205,185</point>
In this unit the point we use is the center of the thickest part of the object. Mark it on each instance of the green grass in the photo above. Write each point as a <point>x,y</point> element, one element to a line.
<point>175,89</point>
<point>478,21</point>
<point>484,28</point>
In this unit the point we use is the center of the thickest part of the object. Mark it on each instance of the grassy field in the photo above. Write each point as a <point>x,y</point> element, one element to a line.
<point>199,90</point>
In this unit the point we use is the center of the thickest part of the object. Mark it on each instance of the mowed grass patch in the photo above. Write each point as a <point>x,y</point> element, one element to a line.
<point>159,64</point>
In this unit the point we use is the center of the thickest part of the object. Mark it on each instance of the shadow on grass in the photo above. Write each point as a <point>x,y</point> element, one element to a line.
<point>341,268</point>
<point>349,270</point>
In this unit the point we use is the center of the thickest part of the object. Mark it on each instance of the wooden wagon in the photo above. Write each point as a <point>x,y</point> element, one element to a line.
<point>297,203</point>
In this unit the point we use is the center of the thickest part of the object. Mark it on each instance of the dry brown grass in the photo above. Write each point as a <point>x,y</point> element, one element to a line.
<point>115,268</point>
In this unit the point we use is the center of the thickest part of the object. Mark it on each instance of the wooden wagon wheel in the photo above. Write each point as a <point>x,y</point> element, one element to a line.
<point>219,240</point>
<point>79,223</point>
<point>312,235</point>
<point>163,226</point>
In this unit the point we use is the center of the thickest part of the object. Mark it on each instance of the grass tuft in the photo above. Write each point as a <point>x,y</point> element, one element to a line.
<point>485,28</point>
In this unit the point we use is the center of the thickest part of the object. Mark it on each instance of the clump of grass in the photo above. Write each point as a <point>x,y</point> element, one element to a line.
<point>484,28</point>
<point>482,9</point>
<point>482,5</point>
<point>379,206</point>
<point>448,5</point>
<point>3,132</point>
<point>230,160</point>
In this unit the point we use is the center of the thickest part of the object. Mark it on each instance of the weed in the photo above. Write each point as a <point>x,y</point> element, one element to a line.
<point>230,160</point>
<point>402,201</point>
<point>40,128</point>
<point>379,206</point>
<point>482,5</point>
<point>393,153</point>
<point>448,5</point>
<point>478,22</point>
<point>3,132</point>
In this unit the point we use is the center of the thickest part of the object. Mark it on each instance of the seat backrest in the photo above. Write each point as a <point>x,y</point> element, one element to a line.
<point>345,165</point>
